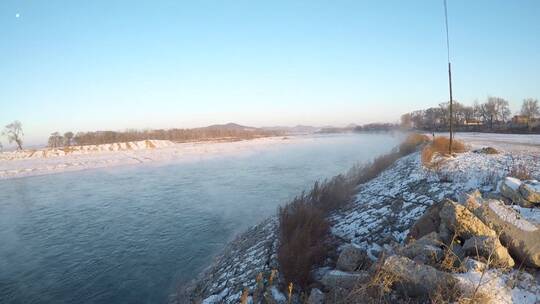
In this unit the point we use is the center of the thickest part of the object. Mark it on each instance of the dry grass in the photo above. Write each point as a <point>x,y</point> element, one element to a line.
<point>440,145</point>
<point>378,289</point>
<point>412,142</point>
<point>302,222</point>
<point>520,171</point>
<point>303,227</point>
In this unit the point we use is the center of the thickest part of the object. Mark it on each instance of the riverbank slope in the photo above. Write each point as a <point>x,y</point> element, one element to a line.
<point>380,217</point>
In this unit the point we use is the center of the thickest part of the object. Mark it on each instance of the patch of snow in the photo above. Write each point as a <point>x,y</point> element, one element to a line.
<point>512,182</point>
<point>510,216</point>
<point>498,287</point>
<point>277,295</point>
<point>217,298</point>
<point>531,214</point>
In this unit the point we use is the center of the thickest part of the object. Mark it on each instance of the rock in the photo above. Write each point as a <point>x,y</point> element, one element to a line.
<point>462,221</point>
<point>521,237</point>
<point>457,249</point>
<point>345,280</point>
<point>416,280</point>
<point>315,296</point>
<point>471,264</point>
<point>490,248</point>
<point>427,223</point>
<point>509,188</point>
<point>445,234</point>
<point>274,296</point>
<point>487,150</point>
<point>426,250</point>
<point>352,258</point>
<point>471,200</point>
<point>530,191</point>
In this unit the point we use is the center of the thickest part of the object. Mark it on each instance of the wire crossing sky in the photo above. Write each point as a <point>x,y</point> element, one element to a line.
<point>88,65</point>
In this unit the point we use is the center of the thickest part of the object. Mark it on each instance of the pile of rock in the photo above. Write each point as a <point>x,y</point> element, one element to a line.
<point>474,234</point>
<point>524,193</point>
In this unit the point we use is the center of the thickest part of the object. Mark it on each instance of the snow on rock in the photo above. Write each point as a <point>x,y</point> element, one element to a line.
<point>277,295</point>
<point>511,216</point>
<point>530,190</point>
<point>216,299</point>
<point>512,182</point>
<point>530,214</point>
<point>250,254</point>
<point>495,286</point>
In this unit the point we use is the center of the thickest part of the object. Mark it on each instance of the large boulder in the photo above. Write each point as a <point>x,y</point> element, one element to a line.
<point>471,200</point>
<point>426,250</point>
<point>416,280</point>
<point>489,248</point>
<point>352,258</point>
<point>462,221</point>
<point>510,188</point>
<point>345,280</point>
<point>530,190</point>
<point>427,223</point>
<point>521,237</point>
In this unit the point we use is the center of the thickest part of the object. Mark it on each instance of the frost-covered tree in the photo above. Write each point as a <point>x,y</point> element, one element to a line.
<point>55,140</point>
<point>68,137</point>
<point>14,133</point>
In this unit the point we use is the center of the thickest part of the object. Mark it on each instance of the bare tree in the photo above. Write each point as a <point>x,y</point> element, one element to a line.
<point>55,140</point>
<point>530,109</point>
<point>14,133</point>
<point>406,121</point>
<point>68,137</point>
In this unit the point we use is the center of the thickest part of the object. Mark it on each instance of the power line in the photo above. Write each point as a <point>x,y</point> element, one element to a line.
<point>451,120</point>
<point>447,35</point>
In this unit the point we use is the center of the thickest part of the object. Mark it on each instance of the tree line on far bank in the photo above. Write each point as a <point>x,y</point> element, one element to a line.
<point>14,134</point>
<point>493,115</point>
<point>177,135</point>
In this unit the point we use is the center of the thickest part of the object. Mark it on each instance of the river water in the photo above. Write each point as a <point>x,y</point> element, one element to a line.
<point>132,234</point>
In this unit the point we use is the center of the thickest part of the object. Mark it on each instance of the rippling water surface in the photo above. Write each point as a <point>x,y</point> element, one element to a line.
<point>131,234</point>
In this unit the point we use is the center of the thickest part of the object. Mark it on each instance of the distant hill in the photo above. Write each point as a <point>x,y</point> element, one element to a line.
<point>299,129</point>
<point>230,126</point>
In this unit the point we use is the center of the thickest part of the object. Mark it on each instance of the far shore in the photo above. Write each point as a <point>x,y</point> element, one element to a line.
<point>44,161</point>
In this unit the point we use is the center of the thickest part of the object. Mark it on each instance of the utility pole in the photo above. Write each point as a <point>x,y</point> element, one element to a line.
<point>449,80</point>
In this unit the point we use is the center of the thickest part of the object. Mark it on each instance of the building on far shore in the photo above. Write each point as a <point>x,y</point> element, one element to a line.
<point>520,120</point>
<point>473,122</point>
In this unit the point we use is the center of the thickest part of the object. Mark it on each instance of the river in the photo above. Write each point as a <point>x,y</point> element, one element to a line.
<point>131,234</point>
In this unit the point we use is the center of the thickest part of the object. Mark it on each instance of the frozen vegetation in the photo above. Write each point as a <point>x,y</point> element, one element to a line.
<point>383,220</point>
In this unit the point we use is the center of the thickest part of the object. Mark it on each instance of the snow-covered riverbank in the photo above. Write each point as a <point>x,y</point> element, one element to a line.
<point>381,215</point>
<point>49,161</point>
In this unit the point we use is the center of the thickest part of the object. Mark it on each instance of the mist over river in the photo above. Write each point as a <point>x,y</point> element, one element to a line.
<point>131,234</point>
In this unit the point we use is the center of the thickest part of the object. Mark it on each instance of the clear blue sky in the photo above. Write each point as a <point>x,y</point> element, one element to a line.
<point>103,64</point>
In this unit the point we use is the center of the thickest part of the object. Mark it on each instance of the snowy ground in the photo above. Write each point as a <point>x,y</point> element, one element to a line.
<point>48,161</point>
<point>386,207</point>
<point>506,142</point>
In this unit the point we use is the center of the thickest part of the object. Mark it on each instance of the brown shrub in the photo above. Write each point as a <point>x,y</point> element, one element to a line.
<point>303,225</point>
<point>440,145</point>
<point>303,228</point>
<point>520,171</point>
<point>411,143</point>
<point>378,289</point>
